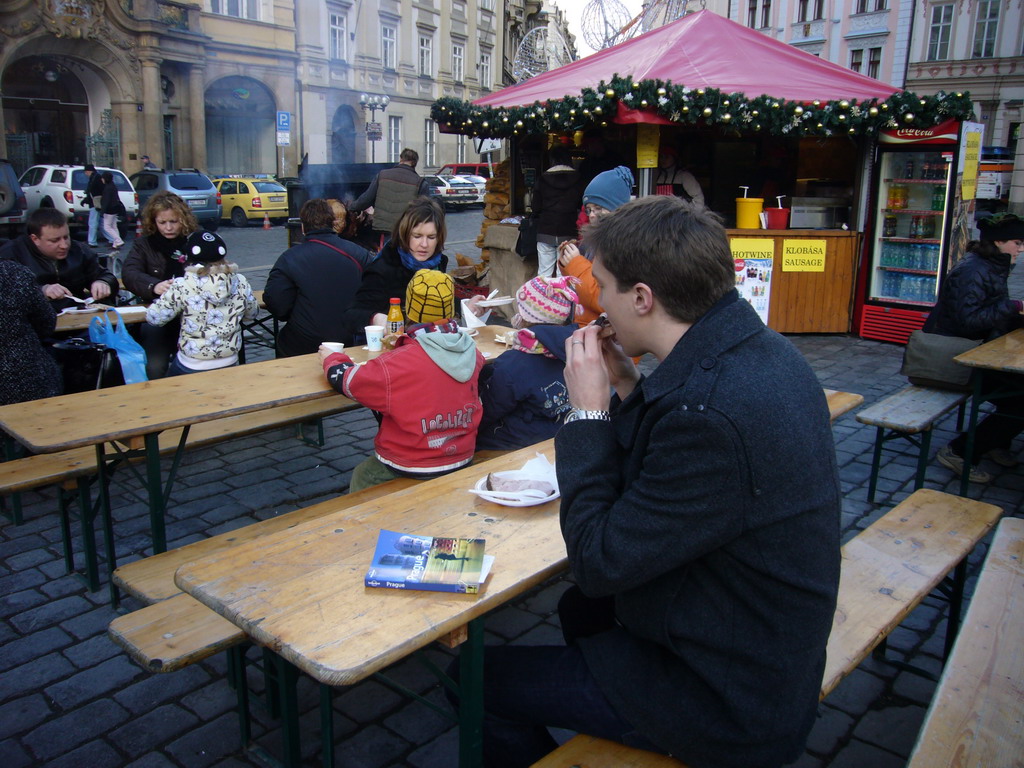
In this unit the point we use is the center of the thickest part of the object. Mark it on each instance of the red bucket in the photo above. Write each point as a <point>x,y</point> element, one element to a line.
<point>776,218</point>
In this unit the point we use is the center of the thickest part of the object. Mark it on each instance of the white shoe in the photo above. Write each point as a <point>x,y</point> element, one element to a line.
<point>951,461</point>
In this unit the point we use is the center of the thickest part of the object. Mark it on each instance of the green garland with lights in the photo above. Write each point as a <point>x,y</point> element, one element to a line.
<point>702,106</point>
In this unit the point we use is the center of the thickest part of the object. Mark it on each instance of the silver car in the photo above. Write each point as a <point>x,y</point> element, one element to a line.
<point>194,187</point>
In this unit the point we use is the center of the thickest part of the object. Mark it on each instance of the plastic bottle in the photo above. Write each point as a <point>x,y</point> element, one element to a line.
<point>396,321</point>
<point>938,198</point>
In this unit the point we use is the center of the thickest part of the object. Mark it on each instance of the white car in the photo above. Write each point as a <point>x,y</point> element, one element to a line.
<point>481,185</point>
<point>63,187</point>
<point>451,191</point>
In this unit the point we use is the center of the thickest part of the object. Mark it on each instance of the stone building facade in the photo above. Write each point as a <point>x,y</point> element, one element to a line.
<point>201,83</point>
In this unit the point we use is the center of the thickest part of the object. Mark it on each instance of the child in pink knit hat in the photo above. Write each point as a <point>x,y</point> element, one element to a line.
<point>523,392</point>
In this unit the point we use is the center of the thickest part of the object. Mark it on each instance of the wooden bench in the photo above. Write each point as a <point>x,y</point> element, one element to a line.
<point>976,716</point>
<point>887,570</point>
<point>904,415</point>
<point>175,630</point>
<point>73,470</point>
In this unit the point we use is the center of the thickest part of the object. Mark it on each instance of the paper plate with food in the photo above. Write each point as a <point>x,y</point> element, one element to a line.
<point>535,483</point>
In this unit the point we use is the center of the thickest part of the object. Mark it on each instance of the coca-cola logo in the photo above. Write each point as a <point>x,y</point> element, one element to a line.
<point>912,132</point>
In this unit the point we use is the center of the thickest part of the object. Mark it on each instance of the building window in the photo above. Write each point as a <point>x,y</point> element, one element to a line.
<point>460,149</point>
<point>426,55</point>
<point>985,29</point>
<point>485,70</point>
<point>487,5</point>
<point>857,59</point>
<point>339,36</point>
<point>458,9</point>
<point>458,62</point>
<point>816,9</point>
<point>429,143</point>
<point>874,62</point>
<point>240,9</point>
<point>394,138</point>
<point>766,13</point>
<point>752,14</point>
<point>388,46</point>
<point>939,32</point>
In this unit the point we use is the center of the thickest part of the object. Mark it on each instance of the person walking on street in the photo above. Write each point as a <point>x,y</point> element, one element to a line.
<point>390,193</point>
<point>111,207</point>
<point>93,201</point>
<point>147,164</point>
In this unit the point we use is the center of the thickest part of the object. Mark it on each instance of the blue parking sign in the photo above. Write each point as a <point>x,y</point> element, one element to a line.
<point>284,121</point>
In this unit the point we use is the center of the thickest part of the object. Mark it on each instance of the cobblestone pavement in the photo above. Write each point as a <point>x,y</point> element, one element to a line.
<point>70,697</point>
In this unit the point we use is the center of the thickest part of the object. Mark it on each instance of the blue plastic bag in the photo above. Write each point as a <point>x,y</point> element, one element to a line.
<point>115,336</point>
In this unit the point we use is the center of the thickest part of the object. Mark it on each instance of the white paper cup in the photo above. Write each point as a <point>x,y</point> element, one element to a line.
<point>334,346</point>
<point>374,337</point>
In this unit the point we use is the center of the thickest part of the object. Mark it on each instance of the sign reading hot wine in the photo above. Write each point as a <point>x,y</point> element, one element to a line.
<point>803,255</point>
<point>752,259</point>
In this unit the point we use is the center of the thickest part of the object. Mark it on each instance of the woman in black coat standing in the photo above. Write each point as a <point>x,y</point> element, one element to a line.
<point>27,371</point>
<point>974,303</point>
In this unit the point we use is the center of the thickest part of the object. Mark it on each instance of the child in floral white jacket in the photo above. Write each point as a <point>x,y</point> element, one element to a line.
<point>213,300</point>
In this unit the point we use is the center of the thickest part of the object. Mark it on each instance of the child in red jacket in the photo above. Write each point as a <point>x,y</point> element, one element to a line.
<point>426,392</point>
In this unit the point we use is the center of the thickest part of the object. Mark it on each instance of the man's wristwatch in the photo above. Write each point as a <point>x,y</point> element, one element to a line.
<point>579,414</point>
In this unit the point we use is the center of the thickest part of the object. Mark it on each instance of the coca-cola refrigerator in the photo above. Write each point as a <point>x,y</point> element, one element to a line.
<point>918,226</point>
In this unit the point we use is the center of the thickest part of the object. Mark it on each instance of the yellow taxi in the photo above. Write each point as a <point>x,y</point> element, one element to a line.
<point>249,198</point>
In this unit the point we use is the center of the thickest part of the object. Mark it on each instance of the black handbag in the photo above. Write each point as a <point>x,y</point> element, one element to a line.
<point>526,244</point>
<point>85,365</point>
<point>928,361</point>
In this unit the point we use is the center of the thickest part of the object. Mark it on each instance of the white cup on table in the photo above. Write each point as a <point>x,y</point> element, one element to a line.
<point>374,337</point>
<point>333,346</point>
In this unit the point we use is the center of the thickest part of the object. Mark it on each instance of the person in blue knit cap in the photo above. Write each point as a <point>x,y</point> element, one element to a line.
<point>607,191</point>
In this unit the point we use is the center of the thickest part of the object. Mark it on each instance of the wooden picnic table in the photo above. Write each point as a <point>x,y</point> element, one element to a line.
<point>79,321</point>
<point>130,418</point>
<point>1003,355</point>
<point>300,592</point>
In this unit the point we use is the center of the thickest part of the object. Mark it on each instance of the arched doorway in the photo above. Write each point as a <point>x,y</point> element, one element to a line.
<point>240,123</point>
<point>46,110</point>
<point>343,135</point>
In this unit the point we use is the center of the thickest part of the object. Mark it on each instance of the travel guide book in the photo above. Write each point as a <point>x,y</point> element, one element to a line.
<point>403,561</point>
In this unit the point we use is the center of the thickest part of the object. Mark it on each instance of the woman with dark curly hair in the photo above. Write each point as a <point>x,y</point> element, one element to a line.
<point>974,303</point>
<point>157,258</point>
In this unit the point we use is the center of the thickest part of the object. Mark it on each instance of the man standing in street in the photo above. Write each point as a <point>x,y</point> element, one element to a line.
<point>93,201</point>
<point>700,507</point>
<point>147,164</point>
<point>390,193</point>
<point>63,268</point>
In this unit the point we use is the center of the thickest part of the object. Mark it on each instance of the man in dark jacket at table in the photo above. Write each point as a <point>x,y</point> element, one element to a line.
<point>62,267</point>
<point>700,510</point>
<point>390,193</point>
<point>312,284</point>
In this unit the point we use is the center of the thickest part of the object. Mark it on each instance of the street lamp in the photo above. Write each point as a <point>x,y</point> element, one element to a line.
<point>373,129</point>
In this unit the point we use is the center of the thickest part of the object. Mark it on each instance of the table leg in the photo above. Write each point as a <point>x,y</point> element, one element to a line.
<point>155,488</point>
<point>288,677</point>
<point>972,426</point>
<point>471,697</point>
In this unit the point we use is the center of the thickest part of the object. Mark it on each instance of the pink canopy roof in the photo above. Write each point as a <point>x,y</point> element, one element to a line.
<point>702,50</point>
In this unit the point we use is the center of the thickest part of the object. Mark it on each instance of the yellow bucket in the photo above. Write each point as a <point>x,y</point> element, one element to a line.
<point>748,211</point>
